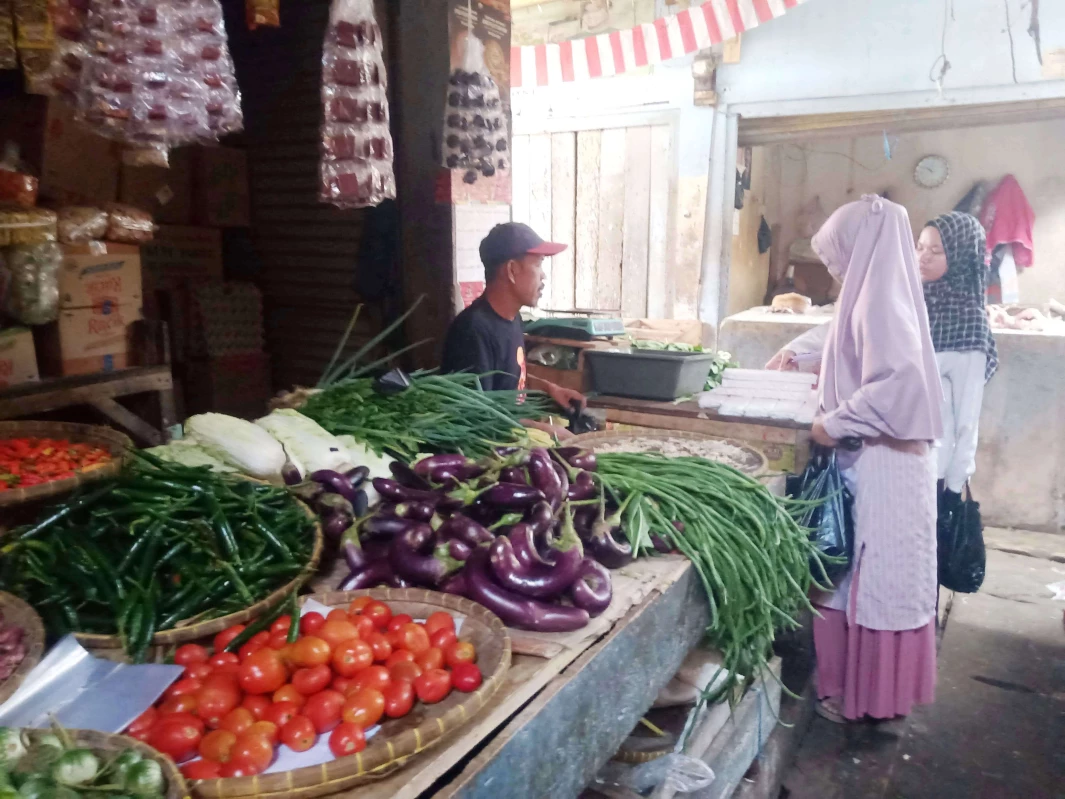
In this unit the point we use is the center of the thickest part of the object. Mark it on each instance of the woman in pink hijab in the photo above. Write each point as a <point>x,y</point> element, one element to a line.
<point>875,641</point>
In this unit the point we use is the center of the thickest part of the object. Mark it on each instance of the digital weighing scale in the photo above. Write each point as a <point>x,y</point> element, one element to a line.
<point>576,326</point>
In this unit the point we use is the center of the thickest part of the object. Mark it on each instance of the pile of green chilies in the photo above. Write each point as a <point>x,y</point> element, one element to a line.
<point>160,544</point>
<point>441,413</point>
<point>751,554</point>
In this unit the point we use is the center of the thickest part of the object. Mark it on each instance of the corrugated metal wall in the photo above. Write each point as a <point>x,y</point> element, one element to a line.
<point>306,252</point>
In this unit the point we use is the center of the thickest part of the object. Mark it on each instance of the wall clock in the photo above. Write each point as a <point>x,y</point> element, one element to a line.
<point>931,172</point>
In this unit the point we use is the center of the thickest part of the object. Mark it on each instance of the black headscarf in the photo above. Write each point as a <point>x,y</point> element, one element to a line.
<point>957,312</point>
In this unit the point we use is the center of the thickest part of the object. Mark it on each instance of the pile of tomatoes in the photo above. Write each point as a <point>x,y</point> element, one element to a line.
<point>28,462</point>
<point>344,673</point>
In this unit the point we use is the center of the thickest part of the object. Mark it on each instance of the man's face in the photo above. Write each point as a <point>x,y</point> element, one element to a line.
<point>526,275</point>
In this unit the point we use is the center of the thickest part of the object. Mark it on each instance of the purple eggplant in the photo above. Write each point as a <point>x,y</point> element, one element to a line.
<point>308,490</point>
<point>583,519</point>
<point>516,610</point>
<point>513,474</point>
<point>420,511</point>
<point>542,476</point>
<point>398,582</point>
<point>660,544</point>
<point>379,572</point>
<point>465,529</point>
<point>329,504</point>
<point>460,474</point>
<point>455,583</point>
<point>406,476</point>
<point>336,483</point>
<point>582,489</point>
<point>510,496</point>
<point>358,475</point>
<point>397,492</point>
<point>538,581</point>
<point>592,590</point>
<point>523,543</point>
<point>563,476</point>
<point>354,554</point>
<point>415,557</point>
<point>601,542</point>
<point>335,525</point>
<point>459,550</point>
<point>291,474</point>
<point>379,525</point>
<point>426,466</point>
<point>541,516</point>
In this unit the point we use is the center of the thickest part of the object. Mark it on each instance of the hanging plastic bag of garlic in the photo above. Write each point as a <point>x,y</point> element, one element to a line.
<point>475,129</point>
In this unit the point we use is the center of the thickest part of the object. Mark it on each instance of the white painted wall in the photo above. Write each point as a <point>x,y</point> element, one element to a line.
<point>846,55</point>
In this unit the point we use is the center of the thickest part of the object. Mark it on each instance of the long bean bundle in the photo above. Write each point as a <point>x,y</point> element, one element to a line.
<point>752,557</point>
<point>444,413</point>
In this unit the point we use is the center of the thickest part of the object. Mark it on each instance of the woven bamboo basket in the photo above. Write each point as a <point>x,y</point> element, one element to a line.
<point>110,646</point>
<point>18,612</point>
<point>106,746</point>
<point>398,739</point>
<point>754,462</point>
<point>113,441</point>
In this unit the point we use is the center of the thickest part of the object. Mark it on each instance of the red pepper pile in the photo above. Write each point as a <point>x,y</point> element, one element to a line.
<point>31,461</point>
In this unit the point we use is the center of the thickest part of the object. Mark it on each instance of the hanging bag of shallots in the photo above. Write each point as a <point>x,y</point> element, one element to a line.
<point>356,166</point>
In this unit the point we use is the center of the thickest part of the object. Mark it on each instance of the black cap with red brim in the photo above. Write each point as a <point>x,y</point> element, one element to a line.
<point>513,240</point>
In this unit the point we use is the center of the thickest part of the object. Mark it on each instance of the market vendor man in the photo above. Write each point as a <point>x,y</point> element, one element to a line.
<point>487,337</point>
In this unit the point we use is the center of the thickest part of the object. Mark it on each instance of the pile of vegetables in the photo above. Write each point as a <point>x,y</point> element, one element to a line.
<point>278,683</point>
<point>526,533</point>
<point>26,462</point>
<point>161,544</point>
<point>37,764</point>
<point>12,647</point>
<point>722,360</point>
<point>753,557</point>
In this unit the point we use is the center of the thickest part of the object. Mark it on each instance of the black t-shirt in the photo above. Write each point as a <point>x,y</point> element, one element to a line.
<point>481,341</point>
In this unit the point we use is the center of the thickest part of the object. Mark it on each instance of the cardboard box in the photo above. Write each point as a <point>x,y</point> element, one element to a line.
<point>165,193</point>
<point>238,385</point>
<point>113,278</point>
<point>18,357</point>
<point>87,340</point>
<point>77,166</point>
<point>222,194</point>
<point>181,254</point>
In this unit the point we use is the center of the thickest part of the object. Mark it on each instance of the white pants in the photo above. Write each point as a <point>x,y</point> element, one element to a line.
<point>962,374</point>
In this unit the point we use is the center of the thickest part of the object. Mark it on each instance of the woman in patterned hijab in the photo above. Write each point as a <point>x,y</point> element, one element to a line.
<point>951,252</point>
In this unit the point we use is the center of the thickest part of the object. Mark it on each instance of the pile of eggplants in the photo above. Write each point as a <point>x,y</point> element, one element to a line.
<point>338,498</point>
<point>526,533</point>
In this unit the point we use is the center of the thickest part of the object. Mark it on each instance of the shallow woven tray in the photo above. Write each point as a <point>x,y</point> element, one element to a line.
<point>110,646</point>
<point>113,441</point>
<point>18,612</point>
<point>398,739</point>
<point>755,464</point>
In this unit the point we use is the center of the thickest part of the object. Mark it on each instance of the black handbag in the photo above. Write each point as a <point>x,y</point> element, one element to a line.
<point>960,538</point>
<point>830,519</point>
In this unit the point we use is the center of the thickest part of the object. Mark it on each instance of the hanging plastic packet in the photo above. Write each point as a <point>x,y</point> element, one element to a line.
<point>35,42</point>
<point>31,282</point>
<point>475,129</point>
<point>356,160</point>
<point>263,13</point>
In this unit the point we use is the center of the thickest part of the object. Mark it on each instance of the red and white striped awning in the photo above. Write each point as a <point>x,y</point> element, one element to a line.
<point>614,53</point>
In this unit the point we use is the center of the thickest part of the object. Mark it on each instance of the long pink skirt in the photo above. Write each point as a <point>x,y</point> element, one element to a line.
<point>879,673</point>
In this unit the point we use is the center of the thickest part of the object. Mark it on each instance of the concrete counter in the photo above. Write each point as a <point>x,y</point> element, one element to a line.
<point>1020,464</point>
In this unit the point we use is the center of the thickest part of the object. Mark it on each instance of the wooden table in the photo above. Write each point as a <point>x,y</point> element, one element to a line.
<point>99,391</point>
<point>785,443</point>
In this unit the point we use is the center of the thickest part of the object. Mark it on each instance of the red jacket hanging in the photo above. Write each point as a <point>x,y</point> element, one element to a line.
<point>1008,219</point>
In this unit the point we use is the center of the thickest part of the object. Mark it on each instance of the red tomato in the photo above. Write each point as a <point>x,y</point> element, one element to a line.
<point>237,721</point>
<point>415,638</point>
<point>312,680</point>
<point>397,622</point>
<point>251,647</point>
<point>140,735</point>
<point>323,709</point>
<point>184,718</point>
<point>175,738</point>
<point>217,745</point>
<point>433,686</point>
<point>214,701</point>
<point>405,671</point>
<point>144,721</point>
<point>337,614</point>
<point>198,671</point>
<point>399,699</point>
<point>351,657</point>
<point>335,631</point>
<point>278,641</point>
<point>364,626</point>
<point>311,651</point>
<point>224,658</point>
<point>372,677</point>
<point>310,623</point>
<point>280,713</point>
<point>358,604</point>
<point>201,770</point>
<point>281,625</point>
<point>364,707</point>
<point>466,677</point>
<point>460,652</point>
<point>288,693</point>
<point>188,654</point>
<point>442,639</point>
<point>431,658</point>
<point>232,669</point>
<point>395,640</point>
<point>186,703</point>
<point>342,684</point>
<point>258,705</point>
<point>377,612</point>
<point>298,734</point>
<point>236,770</point>
<point>262,673</point>
<point>222,680</point>
<point>221,641</point>
<point>267,729</point>
<point>439,621</point>
<point>399,656</point>
<point>182,687</point>
<point>347,739</point>
<point>252,751</point>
